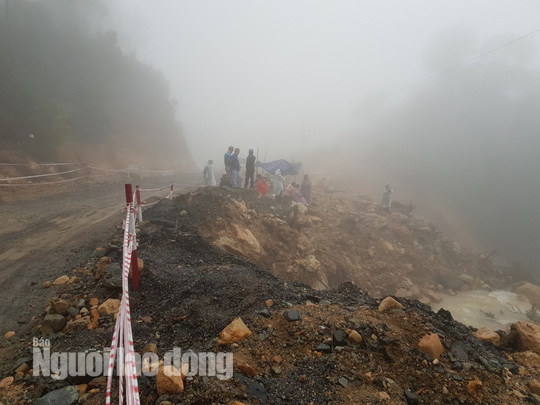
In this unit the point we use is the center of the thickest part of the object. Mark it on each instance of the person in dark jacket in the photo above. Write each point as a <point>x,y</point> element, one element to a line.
<point>250,169</point>
<point>227,159</point>
<point>235,167</point>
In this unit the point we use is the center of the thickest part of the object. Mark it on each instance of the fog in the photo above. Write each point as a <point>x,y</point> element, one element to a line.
<point>439,99</point>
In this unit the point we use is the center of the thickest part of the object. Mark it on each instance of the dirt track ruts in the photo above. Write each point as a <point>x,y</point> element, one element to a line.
<point>45,238</point>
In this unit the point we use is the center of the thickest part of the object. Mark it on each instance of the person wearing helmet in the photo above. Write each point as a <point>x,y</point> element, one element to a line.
<point>250,170</point>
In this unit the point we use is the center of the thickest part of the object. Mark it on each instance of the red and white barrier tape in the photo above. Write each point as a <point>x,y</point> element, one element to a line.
<point>42,175</point>
<point>42,164</point>
<point>122,341</point>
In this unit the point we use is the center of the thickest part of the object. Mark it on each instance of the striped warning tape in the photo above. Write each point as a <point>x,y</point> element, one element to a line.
<point>122,347</point>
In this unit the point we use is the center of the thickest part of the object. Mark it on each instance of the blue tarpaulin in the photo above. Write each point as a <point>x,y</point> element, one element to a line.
<point>286,167</point>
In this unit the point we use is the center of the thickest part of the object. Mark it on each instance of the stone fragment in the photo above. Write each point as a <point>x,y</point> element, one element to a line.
<point>150,347</point>
<point>534,386</point>
<point>93,302</point>
<point>64,396</point>
<point>59,306</point>
<point>6,382</point>
<point>169,380</point>
<point>109,307</point>
<point>235,332</point>
<point>355,337</point>
<point>269,303</point>
<point>488,335</point>
<point>52,323</point>
<point>112,276</point>
<point>383,396</point>
<point>47,284</point>
<point>389,303</point>
<point>9,335</point>
<point>103,262</point>
<point>292,315</point>
<point>431,345</point>
<point>61,280</point>
<point>527,358</point>
<point>23,368</point>
<point>475,387</point>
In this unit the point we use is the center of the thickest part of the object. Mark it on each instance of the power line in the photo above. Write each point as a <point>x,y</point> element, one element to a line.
<point>462,63</point>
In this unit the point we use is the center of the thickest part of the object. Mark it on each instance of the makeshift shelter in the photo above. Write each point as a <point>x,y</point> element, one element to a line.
<point>287,168</point>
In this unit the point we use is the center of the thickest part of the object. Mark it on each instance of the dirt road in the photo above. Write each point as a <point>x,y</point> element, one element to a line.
<point>45,238</point>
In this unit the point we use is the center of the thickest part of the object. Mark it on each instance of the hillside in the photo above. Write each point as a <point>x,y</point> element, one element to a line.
<point>69,92</point>
<point>338,345</point>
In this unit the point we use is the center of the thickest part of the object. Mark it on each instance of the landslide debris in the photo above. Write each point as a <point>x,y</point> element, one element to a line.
<point>304,346</point>
<point>338,238</point>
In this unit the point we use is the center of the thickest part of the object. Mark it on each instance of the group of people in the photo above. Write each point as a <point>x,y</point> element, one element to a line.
<point>295,192</point>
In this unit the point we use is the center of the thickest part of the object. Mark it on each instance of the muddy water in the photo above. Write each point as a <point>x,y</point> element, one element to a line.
<point>467,307</point>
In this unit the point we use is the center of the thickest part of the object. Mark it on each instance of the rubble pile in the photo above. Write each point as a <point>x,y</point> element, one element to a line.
<point>338,238</point>
<point>291,343</point>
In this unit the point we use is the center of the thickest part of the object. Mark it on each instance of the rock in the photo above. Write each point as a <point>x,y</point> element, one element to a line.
<point>411,397</point>
<point>23,368</point>
<point>292,315</point>
<point>47,284</point>
<point>83,311</point>
<point>534,386</point>
<point>112,276</point>
<point>355,337</point>
<point>527,336</point>
<point>9,335</point>
<point>97,382</point>
<point>389,303</point>
<point>235,332</point>
<point>150,347</point>
<point>81,303</point>
<point>527,358</point>
<point>65,396</point>
<point>434,296</point>
<point>146,319</point>
<point>383,396</point>
<point>323,348</point>
<point>269,303</point>
<point>247,369</point>
<point>183,213</point>
<point>339,338</point>
<point>93,302</point>
<point>310,263</point>
<point>474,387</point>
<point>59,306</point>
<point>531,292</point>
<point>52,323</point>
<point>169,384</point>
<point>488,335</point>
<point>343,382</point>
<point>431,345</point>
<point>240,241</point>
<point>82,389</point>
<point>73,280</point>
<point>109,307</point>
<point>460,350</point>
<point>6,382</point>
<point>264,312</point>
<point>73,311</point>
<point>76,324</point>
<point>61,280</point>
<point>103,262</point>
<point>402,232</point>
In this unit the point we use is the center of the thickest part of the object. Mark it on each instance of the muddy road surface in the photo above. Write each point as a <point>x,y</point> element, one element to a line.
<point>47,237</point>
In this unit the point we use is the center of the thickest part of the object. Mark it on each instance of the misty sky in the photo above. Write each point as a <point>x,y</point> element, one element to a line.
<point>290,75</point>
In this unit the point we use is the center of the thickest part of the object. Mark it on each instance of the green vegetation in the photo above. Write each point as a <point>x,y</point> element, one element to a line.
<point>61,79</point>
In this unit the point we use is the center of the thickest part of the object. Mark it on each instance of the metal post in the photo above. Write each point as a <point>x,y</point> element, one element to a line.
<point>138,199</point>
<point>134,257</point>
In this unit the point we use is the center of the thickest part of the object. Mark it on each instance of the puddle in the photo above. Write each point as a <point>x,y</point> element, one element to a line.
<point>466,307</point>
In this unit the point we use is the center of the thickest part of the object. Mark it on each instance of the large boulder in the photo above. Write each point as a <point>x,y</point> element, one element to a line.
<point>240,241</point>
<point>525,336</point>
